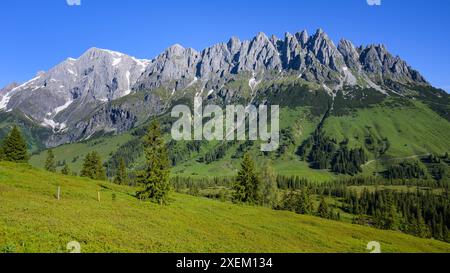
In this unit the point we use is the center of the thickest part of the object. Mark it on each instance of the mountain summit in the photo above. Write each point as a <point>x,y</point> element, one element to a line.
<point>79,97</point>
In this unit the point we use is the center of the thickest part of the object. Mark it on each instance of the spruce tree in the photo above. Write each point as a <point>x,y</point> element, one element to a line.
<point>87,169</point>
<point>305,205</point>
<point>155,177</point>
<point>2,155</point>
<point>421,229</point>
<point>65,170</point>
<point>100,172</point>
<point>323,210</point>
<point>121,175</point>
<point>14,147</point>
<point>50,162</point>
<point>268,187</point>
<point>391,217</point>
<point>247,182</point>
<point>93,167</point>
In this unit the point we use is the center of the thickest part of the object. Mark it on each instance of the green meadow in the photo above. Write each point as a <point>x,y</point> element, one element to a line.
<point>33,220</point>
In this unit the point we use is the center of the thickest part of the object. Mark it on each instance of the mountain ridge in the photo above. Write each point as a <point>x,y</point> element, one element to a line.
<point>77,98</point>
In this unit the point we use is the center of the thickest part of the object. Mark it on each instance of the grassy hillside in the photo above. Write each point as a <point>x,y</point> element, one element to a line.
<point>74,153</point>
<point>32,220</point>
<point>410,127</point>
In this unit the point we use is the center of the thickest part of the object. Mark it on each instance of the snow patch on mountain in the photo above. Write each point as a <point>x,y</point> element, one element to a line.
<point>116,61</point>
<point>4,101</point>
<point>192,82</point>
<point>71,72</point>
<point>55,126</point>
<point>63,107</point>
<point>252,83</point>
<point>25,84</point>
<point>143,63</point>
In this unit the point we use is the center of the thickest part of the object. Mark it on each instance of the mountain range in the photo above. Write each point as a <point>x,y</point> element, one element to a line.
<point>104,91</point>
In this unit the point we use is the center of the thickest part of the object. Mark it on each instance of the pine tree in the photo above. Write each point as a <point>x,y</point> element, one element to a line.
<point>93,167</point>
<point>155,177</point>
<point>121,175</point>
<point>421,229</point>
<point>391,218</point>
<point>305,204</point>
<point>247,182</point>
<point>65,170</point>
<point>50,162</point>
<point>2,155</point>
<point>87,169</point>
<point>100,172</point>
<point>14,147</point>
<point>268,187</point>
<point>323,210</point>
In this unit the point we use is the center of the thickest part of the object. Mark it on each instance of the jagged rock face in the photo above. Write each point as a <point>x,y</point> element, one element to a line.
<point>172,69</point>
<point>380,65</point>
<point>79,97</point>
<point>8,88</point>
<point>258,55</point>
<point>315,58</point>
<point>350,54</point>
<point>112,117</point>
<point>324,50</point>
<point>293,50</point>
<point>98,76</point>
<point>178,67</point>
<point>3,92</point>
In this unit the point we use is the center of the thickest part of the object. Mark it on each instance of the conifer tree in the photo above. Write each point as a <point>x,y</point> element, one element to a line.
<point>155,177</point>
<point>50,162</point>
<point>268,187</point>
<point>87,170</point>
<point>2,155</point>
<point>121,175</point>
<point>247,182</point>
<point>93,167</point>
<point>391,219</point>
<point>65,170</point>
<point>305,205</point>
<point>323,210</point>
<point>14,147</point>
<point>421,229</point>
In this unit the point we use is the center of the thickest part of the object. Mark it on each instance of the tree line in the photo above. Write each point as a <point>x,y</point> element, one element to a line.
<point>322,152</point>
<point>421,213</point>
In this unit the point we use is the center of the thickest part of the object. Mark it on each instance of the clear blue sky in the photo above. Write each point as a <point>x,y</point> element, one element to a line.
<point>37,34</point>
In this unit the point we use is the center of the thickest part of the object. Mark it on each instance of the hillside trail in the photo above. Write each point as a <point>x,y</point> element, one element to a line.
<point>397,158</point>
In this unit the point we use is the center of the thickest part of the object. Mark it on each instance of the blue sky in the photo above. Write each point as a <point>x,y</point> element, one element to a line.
<point>38,34</point>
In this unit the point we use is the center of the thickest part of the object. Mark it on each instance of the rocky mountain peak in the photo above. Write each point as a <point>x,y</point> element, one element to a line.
<point>302,37</point>
<point>8,88</point>
<point>350,54</point>
<point>78,85</point>
<point>261,37</point>
<point>175,51</point>
<point>62,97</point>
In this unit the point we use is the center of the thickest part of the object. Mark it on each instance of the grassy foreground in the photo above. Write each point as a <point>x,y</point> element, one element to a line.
<point>32,220</point>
